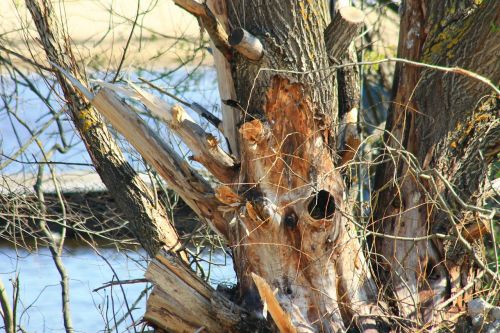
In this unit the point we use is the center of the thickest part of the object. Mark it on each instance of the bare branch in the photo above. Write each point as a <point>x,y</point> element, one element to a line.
<point>147,220</point>
<point>204,146</point>
<point>246,44</point>
<point>200,110</point>
<point>6,313</point>
<point>181,177</point>
<point>342,30</point>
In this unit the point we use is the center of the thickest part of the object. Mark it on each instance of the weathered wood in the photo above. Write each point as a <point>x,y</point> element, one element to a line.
<point>204,146</point>
<point>182,302</point>
<point>431,112</point>
<point>200,110</point>
<point>181,177</point>
<point>246,44</point>
<point>230,116</point>
<point>342,30</point>
<point>280,317</point>
<point>291,232</point>
<point>287,209</point>
<point>288,226</point>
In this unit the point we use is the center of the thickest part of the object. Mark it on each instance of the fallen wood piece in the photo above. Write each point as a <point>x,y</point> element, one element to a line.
<point>182,302</point>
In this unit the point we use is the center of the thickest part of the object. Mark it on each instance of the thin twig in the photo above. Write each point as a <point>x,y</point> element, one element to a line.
<point>128,41</point>
<point>6,310</point>
<point>113,283</point>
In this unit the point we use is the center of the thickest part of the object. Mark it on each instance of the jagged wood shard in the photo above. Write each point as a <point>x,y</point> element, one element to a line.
<point>182,302</point>
<point>204,146</point>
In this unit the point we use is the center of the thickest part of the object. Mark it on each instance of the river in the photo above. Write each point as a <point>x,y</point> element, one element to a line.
<point>39,309</point>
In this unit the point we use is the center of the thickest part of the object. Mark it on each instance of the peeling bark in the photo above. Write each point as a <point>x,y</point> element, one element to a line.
<point>442,120</point>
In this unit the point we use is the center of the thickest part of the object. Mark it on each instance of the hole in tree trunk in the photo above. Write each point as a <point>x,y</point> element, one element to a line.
<point>290,219</point>
<point>321,206</point>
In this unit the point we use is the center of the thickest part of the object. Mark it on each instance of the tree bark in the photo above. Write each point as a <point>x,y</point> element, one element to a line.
<point>290,229</point>
<point>448,123</point>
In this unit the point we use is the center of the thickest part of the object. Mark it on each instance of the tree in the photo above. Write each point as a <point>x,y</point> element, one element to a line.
<point>289,93</point>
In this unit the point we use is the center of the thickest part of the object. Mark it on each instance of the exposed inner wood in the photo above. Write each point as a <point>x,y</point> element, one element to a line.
<point>182,302</point>
<point>291,231</point>
<point>215,29</point>
<point>204,146</point>
<point>280,317</point>
<point>247,44</point>
<point>181,177</point>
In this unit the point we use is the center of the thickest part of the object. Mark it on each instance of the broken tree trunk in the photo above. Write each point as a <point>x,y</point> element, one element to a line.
<point>281,207</point>
<point>182,302</point>
<point>289,227</point>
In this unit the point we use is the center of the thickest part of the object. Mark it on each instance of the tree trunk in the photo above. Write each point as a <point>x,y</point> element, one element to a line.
<point>290,228</point>
<point>449,125</point>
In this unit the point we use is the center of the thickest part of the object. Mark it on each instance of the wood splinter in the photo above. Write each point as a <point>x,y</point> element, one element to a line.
<point>246,44</point>
<point>280,317</point>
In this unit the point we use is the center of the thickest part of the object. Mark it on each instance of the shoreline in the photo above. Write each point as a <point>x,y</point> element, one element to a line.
<point>100,30</point>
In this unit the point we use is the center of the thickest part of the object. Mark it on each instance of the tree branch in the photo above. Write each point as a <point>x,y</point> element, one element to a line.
<point>204,146</point>
<point>183,179</point>
<point>200,110</point>
<point>147,220</point>
<point>341,31</point>
<point>6,313</point>
<point>246,44</point>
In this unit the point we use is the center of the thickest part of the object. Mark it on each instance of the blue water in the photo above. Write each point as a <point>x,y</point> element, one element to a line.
<point>40,307</point>
<point>29,112</point>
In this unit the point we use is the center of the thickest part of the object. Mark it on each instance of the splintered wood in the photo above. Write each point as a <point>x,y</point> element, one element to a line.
<point>291,232</point>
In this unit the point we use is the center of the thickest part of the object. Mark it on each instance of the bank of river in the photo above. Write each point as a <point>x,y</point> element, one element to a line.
<point>39,309</point>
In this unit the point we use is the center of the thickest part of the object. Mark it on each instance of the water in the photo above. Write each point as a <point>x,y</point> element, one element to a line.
<point>40,307</point>
<point>24,113</point>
